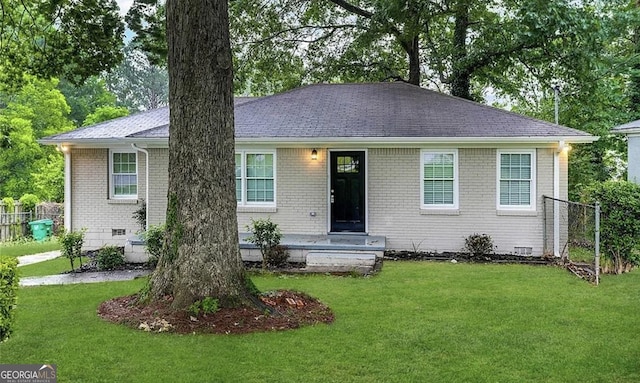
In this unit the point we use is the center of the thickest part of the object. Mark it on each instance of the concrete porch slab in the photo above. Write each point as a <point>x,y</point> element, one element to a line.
<point>325,242</point>
<point>328,251</point>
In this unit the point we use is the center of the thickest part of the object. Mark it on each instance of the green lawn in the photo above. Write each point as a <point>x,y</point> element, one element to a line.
<point>16,249</point>
<point>414,322</point>
<point>50,267</point>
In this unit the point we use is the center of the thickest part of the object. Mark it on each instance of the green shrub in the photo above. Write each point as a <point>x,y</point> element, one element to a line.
<point>110,257</point>
<point>207,305</point>
<point>29,202</point>
<point>8,290</point>
<point>140,215</point>
<point>277,256</point>
<point>71,243</point>
<point>619,221</point>
<point>154,241</point>
<point>478,245</point>
<point>9,204</point>
<point>266,235</point>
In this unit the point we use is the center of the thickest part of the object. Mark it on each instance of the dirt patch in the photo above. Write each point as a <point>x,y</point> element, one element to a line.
<point>292,310</point>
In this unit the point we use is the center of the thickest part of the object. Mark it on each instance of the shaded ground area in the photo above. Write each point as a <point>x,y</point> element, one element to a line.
<point>293,310</point>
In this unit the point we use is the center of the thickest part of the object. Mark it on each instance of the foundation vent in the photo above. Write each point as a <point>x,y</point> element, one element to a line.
<point>522,250</point>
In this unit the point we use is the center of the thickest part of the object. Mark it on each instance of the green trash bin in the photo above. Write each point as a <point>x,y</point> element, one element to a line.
<point>41,229</point>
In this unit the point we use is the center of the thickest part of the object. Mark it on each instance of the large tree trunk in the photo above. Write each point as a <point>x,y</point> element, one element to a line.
<point>414,60</point>
<point>460,75</point>
<point>201,253</point>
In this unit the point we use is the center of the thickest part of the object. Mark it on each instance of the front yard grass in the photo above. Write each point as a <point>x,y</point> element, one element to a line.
<point>16,249</point>
<point>50,267</point>
<point>414,322</point>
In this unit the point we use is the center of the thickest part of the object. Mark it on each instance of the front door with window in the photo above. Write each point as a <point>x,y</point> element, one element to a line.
<point>347,192</point>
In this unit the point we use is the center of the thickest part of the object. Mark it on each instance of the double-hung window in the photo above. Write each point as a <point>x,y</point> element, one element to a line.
<point>123,174</point>
<point>255,178</point>
<point>439,185</point>
<point>516,179</point>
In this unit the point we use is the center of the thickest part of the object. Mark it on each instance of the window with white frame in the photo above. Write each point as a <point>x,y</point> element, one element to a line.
<point>516,179</point>
<point>123,169</point>
<point>439,179</point>
<point>255,178</point>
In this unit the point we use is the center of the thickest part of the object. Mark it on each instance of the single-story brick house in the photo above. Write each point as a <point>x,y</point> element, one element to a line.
<point>632,131</point>
<point>414,166</point>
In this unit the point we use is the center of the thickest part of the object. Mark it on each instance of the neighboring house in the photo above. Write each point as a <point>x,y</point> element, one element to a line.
<point>632,131</point>
<point>386,159</point>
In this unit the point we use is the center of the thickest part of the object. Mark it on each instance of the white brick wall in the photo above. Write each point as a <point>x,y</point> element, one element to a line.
<point>159,180</point>
<point>91,207</point>
<point>301,190</point>
<point>393,205</point>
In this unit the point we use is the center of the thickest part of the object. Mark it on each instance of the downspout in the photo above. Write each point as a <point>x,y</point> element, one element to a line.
<point>556,177</point>
<point>67,186</point>
<point>556,197</point>
<point>146,184</point>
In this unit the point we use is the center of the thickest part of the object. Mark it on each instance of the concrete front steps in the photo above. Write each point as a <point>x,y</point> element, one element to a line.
<point>340,261</point>
<point>320,253</point>
<point>326,253</point>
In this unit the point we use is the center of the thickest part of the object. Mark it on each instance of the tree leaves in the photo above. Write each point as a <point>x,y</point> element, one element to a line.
<point>70,38</point>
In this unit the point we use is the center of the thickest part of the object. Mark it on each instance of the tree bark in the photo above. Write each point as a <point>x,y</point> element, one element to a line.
<point>460,75</point>
<point>414,60</point>
<point>201,252</point>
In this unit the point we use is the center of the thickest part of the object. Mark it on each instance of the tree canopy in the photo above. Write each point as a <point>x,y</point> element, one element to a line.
<point>37,110</point>
<point>59,38</point>
<point>459,46</point>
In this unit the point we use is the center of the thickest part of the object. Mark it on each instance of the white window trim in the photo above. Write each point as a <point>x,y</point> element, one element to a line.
<point>112,185</point>
<point>456,193</point>
<point>243,191</point>
<point>532,195</point>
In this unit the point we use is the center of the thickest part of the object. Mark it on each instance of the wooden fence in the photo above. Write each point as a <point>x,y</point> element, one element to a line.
<point>14,221</point>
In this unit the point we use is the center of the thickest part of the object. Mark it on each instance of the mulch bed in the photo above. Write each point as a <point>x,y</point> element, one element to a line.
<point>292,310</point>
<point>404,255</point>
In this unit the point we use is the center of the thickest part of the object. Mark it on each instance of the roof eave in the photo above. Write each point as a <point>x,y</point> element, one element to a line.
<point>417,141</point>
<point>339,141</point>
<point>105,142</point>
<point>626,131</point>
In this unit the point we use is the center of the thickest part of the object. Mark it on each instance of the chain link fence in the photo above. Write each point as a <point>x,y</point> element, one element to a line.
<point>572,232</point>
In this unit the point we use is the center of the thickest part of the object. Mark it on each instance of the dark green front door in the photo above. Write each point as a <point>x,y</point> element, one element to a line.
<point>347,193</point>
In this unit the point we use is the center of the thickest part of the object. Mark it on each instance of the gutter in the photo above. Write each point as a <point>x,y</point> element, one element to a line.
<point>146,187</point>
<point>67,186</point>
<point>339,142</point>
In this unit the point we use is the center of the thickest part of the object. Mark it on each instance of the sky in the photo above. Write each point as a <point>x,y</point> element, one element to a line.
<point>124,6</point>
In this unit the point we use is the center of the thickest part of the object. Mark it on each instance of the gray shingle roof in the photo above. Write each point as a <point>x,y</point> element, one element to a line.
<point>370,110</point>
<point>119,127</point>
<point>629,127</point>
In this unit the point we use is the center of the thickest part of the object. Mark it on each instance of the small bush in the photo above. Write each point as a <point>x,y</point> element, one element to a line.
<point>266,235</point>
<point>110,257</point>
<point>154,240</point>
<point>71,243</point>
<point>277,256</point>
<point>29,202</point>
<point>205,306</point>
<point>479,245</point>
<point>619,221</point>
<point>8,291</point>
<point>140,215</point>
<point>9,204</point>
